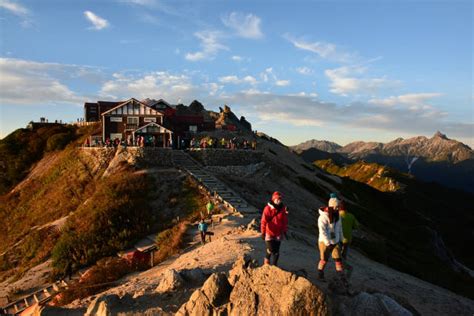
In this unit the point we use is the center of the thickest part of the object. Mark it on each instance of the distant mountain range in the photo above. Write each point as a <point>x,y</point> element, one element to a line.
<point>439,159</point>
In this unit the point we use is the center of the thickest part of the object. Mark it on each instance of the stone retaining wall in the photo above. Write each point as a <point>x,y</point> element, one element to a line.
<point>226,157</point>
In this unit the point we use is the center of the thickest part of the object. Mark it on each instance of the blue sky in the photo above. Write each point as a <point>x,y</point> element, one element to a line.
<point>336,70</point>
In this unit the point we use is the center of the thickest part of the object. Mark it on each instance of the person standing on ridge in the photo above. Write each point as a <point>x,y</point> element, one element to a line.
<point>330,236</point>
<point>274,225</point>
<point>210,208</point>
<point>202,228</point>
<point>349,222</point>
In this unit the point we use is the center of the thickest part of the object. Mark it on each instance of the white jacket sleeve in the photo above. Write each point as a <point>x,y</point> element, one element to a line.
<point>323,231</point>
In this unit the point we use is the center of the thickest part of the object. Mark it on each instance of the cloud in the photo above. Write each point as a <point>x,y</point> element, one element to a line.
<point>236,58</point>
<point>322,49</point>
<point>145,3</point>
<point>352,80</point>
<point>14,7</point>
<point>236,80</point>
<point>305,110</point>
<point>19,10</point>
<point>413,100</point>
<point>98,23</point>
<point>304,71</point>
<point>27,82</point>
<point>159,84</point>
<point>282,83</point>
<point>210,46</point>
<point>245,25</point>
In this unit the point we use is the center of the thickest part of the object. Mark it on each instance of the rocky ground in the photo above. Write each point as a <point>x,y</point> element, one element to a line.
<point>179,284</point>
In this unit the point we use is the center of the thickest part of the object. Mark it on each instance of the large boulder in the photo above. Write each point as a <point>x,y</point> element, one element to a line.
<point>269,288</point>
<point>373,304</point>
<point>256,291</point>
<point>210,298</point>
<point>103,305</point>
<point>195,276</point>
<point>171,280</point>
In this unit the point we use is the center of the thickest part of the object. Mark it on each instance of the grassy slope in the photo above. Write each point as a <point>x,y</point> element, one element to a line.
<point>379,177</point>
<point>108,214</point>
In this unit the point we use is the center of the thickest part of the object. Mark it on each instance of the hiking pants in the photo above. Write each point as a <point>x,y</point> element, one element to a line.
<point>345,250</point>
<point>203,236</point>
<point>273,248</point>
<point>324,252</point>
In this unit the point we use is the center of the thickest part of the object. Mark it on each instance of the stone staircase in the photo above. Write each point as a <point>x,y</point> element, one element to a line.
<point>39,297</point>
<point>214,186</point>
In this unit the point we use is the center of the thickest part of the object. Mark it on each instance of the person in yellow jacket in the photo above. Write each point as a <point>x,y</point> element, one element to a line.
<point>349,223</point>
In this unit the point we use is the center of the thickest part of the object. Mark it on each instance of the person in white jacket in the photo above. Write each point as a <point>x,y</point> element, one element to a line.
<point>330,237</point>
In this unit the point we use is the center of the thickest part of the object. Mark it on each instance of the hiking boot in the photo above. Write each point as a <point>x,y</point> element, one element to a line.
<point>321,275</point>
<point>349,271</point>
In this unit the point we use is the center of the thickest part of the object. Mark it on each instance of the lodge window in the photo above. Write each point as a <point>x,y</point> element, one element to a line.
<point>132,122</point>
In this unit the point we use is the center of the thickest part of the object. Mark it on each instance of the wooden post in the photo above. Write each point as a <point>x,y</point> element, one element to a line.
<point>164,140</point>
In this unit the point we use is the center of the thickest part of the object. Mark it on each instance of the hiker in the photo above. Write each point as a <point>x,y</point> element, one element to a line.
<point>210,208</point>
<point>274,225</point>
<point>330,235</point>
<point>202,227</point>
<point>349,222</point>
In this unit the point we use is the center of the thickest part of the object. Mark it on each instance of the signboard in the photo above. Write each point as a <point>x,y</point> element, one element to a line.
<point>149,119</point>
<point>113,136</point>
<point>116,119</point>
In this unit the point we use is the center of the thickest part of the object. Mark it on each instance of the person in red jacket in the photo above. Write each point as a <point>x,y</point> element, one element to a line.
<point>274,225</point>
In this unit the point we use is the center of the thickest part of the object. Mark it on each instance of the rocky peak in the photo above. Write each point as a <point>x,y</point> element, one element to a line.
<point>438,134</point>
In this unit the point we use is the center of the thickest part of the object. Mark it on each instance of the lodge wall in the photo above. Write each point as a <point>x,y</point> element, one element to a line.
<point>226,157</point>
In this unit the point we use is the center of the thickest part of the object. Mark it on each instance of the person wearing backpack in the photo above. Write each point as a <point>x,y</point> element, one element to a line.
<point>274,225</point>
<point>202,228</point>
<point>349,222</point>
<point>330,237</point>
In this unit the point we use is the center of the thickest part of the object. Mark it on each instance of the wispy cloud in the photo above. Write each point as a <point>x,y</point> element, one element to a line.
<point>236,80</point>
<point>305,110</point>
<point>304,71</point>
<point>14,7</point>
<point>353,80</point>
<point>210,46</point>
<point>236,58</point>
<point>412,99</point>
<point>159,84</point>
<point>282,83</point>
<point>98,23</point>
<point>322,49</point>
<point>146,3</point>
<point>245,25</point>
<point>26,82</point>
<point>19,10</point>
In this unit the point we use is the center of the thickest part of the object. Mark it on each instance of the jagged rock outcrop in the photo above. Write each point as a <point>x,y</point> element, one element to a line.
<point>172,280</point>
<point>227,117</point>
<point>256,291</point>
<point>209,299</point>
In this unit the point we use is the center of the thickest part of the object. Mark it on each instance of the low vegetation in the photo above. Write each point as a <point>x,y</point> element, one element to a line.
<point>114,217</point>
<point>23,147</point>
<point>98,278</point>
<point>379,177</point>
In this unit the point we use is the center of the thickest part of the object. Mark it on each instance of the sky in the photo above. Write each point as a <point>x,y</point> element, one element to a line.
<point>297,70</point>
